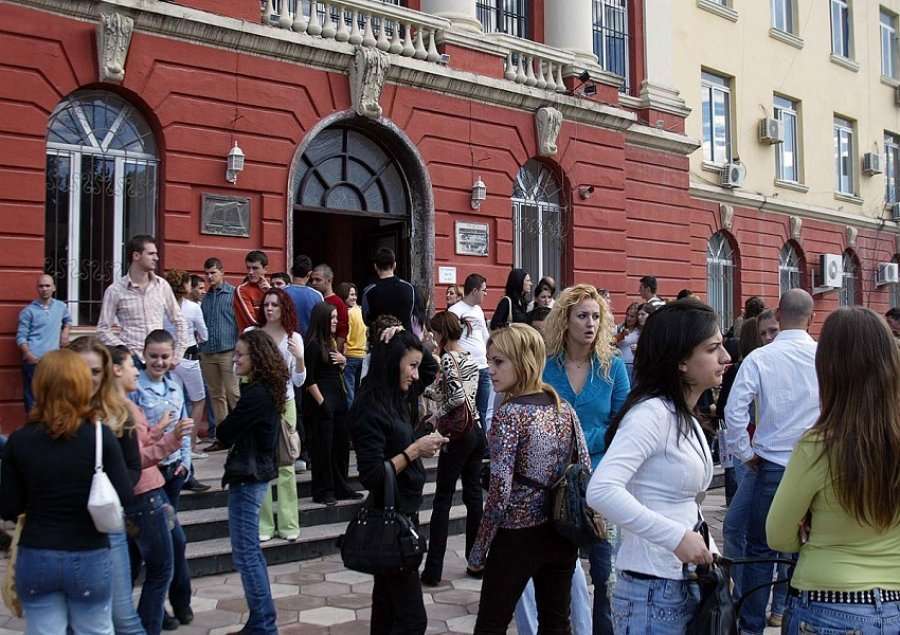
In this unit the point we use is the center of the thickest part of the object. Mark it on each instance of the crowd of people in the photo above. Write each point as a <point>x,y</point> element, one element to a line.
<point>807,433</point>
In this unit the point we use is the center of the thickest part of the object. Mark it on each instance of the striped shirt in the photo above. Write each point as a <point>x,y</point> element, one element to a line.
<point>138,311</point>
<point>218,313</point>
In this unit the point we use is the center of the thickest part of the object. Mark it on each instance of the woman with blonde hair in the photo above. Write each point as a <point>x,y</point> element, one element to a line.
<point>839,501</point>
<point>531,440</point>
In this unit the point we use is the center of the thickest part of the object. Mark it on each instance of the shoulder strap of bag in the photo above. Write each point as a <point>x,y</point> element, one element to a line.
<point>461,382</point>
<point>98,453</point>
<point>390,485</point>
<point>509,316</point>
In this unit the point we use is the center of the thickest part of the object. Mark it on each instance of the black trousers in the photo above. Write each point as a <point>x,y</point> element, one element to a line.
<point>397,605</point>
<point>329,445</point>
<point>460,458</point>
<point>515,556</point>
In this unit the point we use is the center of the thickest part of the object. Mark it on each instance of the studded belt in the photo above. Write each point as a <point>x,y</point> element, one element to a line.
<point>849,597</point>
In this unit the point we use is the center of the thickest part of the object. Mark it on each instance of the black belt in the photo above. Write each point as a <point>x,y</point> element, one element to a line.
<point>192,353</point>
<point>641,576</point>
<point>848,597</point>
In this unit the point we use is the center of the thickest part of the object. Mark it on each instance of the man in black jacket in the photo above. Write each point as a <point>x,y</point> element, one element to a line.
<point>390,295</point>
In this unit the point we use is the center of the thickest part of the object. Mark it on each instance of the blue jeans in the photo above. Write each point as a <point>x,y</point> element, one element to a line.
<point>180,589</point>
<point>803,616</point>
<point>601,566</point>
<point>147,518</point>
<point>27,376</point>
<point>244,502</point>
<point>765,483</point>
<point>579,614</point>
<point>65,589</point>
<point>125,618</point>
<point>734,528</point>
<point>483,396</point>
<point>661,607</point>
<point>351,377</point>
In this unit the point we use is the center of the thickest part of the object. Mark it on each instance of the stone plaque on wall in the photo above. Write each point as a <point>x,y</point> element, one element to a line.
<point>225,215</point>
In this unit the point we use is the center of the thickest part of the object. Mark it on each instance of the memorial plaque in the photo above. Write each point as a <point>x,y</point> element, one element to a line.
<point>225,215</point>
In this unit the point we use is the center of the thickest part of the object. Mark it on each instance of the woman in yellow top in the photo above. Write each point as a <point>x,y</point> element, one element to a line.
<point>839,501</point>
<point>355,348</point>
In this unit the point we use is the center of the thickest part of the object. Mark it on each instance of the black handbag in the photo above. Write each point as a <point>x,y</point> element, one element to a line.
<point>716,614</point>
<point>382,541</point>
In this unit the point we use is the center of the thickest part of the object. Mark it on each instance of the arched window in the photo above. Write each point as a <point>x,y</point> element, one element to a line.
<point>101,189</point>
<point>720,277</point>
<point>538,221</point>
<point>790,271</point>
<point>851,291</point>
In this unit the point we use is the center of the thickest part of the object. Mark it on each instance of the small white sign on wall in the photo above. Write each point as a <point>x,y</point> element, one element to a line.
<point>447,275</point>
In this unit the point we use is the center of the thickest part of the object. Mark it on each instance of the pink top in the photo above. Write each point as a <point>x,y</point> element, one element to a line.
<point>154,446</point>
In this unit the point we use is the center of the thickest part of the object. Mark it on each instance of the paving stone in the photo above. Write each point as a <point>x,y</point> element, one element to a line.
<point>284,590</point>
<point>235,605</point>
<point>300,577</point>
<point>327,616</point>
<point>456,597</point>
<point>350,601</point>
<point>299,602</point>
<point>325,589</point>
<point>365,587</point>
<point>285,617</point>
<point>321,566</point>
<point>221,592</point>
<point>435,627</point>
<point>465,624</point>
<point>280,569</point>
<point>364,615</point>
<point>304,629</point>
<point>467,584</point>
<point>351,628</point>
<point>199,603</point>
<point>215,618</point>
<point>445,611</point>
<point>348,577</point>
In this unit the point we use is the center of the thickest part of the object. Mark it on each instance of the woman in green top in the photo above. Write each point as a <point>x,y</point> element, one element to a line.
<point>839,501</point>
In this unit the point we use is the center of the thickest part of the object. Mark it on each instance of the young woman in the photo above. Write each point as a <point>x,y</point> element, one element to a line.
<point>531,440</point>
<point>453,295</point>
<point>544,292</point>
<point>458,386</point>
<point>382,431</point>
<point>64,568</point>
<point>279,320</point>
<point>627,336</point>
<point>513,306</point>
<point>251,433</point>
<point>325,409</point>
<point>656,464</point>
<point>839,501</point>
<point>355,348</point>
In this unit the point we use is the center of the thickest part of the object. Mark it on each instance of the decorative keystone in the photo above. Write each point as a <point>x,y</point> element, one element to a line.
<point>547,121</point>
<point>367,74</point>
<point>113,39</point>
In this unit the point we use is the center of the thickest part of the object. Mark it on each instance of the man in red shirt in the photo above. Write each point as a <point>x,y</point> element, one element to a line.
<point>322,280</point>
<point>249,295</point>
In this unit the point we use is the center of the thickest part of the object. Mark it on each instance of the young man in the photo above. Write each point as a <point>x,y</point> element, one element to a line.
<point>43,327</point>
<point>475,340</point>
<point>216,353</point>
<point>390,295</point>
<point>767,326</point>
<point>249,295</point>
<point>647,291</point>
<point>322,280</point>
<point>893,320</point>
<point>280,280</point>
<point>537,316</point>
<point>160,396</point>
<point>138,301</point>
<point>304,297</point>
<point>198,289</point>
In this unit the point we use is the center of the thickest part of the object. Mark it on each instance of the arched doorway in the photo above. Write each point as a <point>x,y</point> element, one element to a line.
<point>357,186</point>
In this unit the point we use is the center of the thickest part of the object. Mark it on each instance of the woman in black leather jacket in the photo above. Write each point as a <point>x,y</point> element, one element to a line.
<point>251,432</point>
<point>382,431</point>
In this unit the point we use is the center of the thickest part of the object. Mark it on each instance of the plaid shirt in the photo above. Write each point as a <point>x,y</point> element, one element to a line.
<point>138,311</point>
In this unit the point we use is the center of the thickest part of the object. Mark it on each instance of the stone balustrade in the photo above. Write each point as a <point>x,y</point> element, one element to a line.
<point>535,65</point>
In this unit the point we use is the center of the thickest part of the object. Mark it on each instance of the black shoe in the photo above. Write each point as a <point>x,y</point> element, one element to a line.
<point>350,496</point>
<point>170,623</point>
<point>328,501</point>
<point>430,581</point>
<point>193,485</point>
<point>185,617</point>
<point>215,446</point>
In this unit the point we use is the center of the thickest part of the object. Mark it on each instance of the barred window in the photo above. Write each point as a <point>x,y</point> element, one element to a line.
<point>611,37</point>
<point>505,16</point>
<point>790,269</point>
<point>720,278</point>
<point>850,293</point>
<point>538,220</point>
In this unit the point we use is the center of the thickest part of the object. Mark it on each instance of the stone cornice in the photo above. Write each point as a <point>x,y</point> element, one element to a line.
<point>659,139</point>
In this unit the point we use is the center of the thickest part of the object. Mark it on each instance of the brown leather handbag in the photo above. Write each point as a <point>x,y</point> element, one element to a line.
<point>457,423</point>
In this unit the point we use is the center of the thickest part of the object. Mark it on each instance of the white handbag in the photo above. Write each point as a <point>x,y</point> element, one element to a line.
<point>103,502</point>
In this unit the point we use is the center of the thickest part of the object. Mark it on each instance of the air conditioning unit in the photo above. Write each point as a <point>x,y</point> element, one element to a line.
<point>888,273</point>
<point>895,211</point>
<point>733,175</point>
<point>831,271</point>
<point>871,163</point>
<point>771,131</point>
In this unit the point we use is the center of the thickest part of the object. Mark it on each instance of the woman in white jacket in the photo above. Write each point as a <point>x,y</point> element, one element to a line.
<point>657,463</point>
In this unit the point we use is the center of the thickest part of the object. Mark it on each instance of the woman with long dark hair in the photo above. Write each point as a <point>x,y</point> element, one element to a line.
<point>656,463</point>
<point>627,335</point>
<point>250,431</point>
<point>383,431</point>
<point>325,409</point>
<point>839,501</point>
<point>513,306</point>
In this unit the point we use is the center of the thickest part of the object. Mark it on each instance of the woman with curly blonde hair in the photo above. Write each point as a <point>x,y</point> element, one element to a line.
<point>583,368</point>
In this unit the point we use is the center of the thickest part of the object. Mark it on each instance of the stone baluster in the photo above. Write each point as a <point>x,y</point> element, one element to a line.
<point>520,70</point>
<point>396,43</point>
<point>433,55</point>
<point>355,34</point>
<point>268,12</point>
<point>383,44</point>
<point>300,20</point>
<point>510,73</point>
<point>541,80</point>
<point>343,31</point>
<point>369,40</point>
<point>314,27</point>
<point>408,49</point>
<point>328,29</point>
<point>421,52</point>
<point>284,15</point>
<point>530,79</point>
<point>560,84</point>
<point>551,82</point>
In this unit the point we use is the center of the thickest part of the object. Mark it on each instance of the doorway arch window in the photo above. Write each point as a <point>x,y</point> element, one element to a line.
<point>102,168</point>
<point>789,269</point>
<point>538,221</point>
<point>720,278</point>
<point>850,291</point>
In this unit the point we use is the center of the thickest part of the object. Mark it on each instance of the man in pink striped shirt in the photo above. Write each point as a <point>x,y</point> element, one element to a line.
<point>138,301</point>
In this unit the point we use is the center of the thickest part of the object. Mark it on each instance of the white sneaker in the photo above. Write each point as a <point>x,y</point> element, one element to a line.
<point>264,538</point>
<point>199,455</point>
<point>300,465</point>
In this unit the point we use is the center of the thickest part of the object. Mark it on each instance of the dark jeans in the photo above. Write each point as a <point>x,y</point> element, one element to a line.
<point>483,396</point>
<point>397,605</point>
<point>244,502</point>
<point>27,376</point>
<point>515,556</point>
<point>149,528</point>
<point>180,591</point>
<point>460,458</point>
<point>600,556</point>
<point>330,446</point>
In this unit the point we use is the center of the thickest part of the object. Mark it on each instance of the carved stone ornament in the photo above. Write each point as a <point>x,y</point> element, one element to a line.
<point>368,70</point>
<point>113,40</point>
<point>796,227</point>
<point>726,216</point>
<point>547,121</point>
<point>852,233</point>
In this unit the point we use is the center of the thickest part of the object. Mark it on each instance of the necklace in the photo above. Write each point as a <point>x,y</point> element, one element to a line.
<point>576,364</point>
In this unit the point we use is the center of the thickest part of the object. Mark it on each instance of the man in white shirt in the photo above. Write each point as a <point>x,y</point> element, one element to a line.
<point>474,339</point>
<point>647,291</point>
<point>782,377</point>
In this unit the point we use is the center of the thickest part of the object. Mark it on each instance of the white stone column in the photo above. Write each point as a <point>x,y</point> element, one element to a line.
<point>569,25</point>
<point>460,12</point>
<point>658,88</point>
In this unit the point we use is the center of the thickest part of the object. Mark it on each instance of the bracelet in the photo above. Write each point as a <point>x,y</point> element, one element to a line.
<point>409,461</point>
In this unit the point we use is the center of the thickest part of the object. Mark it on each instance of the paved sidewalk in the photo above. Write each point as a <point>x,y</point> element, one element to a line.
<point>320,597</point>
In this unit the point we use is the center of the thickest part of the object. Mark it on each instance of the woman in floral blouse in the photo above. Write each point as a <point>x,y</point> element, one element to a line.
<point>531,441</point>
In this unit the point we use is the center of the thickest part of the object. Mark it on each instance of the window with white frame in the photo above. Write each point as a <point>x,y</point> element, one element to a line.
<point>720,278</point>
<point>888,23</point>
<point>891,168</point>
<point>841,28</point>
<point>789,269</point>
<point>538,221</point>
<point>101,189</point>
<point>895,288</point>
<point>505,16</point>
<point>849,293</point>
<point>716,107</point>
<point>783,15</point>
<point>787,157</point>
<point>844,153</point>
<point>611,37</point>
